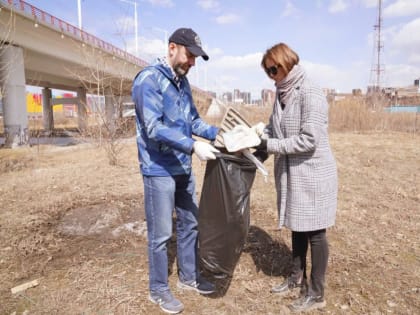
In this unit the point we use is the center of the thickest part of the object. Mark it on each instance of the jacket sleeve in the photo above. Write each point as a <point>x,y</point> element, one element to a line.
<point>313,120</point>
<point>202,129</point>
<point>149,109</point>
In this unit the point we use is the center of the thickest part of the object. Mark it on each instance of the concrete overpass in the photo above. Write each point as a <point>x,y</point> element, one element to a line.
<point>39,49</point>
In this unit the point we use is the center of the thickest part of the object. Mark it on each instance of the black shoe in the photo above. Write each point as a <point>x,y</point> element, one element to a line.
<point>290,286</point>
<point>307,303</point>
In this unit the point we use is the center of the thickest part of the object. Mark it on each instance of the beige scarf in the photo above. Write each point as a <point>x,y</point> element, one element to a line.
<point>285,94</point>
<point>290,82</point>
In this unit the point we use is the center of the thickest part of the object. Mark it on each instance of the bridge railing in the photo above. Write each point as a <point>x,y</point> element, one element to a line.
<point>66,28</point>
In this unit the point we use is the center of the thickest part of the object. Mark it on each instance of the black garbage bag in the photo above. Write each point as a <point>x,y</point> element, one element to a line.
<point>224,212</point>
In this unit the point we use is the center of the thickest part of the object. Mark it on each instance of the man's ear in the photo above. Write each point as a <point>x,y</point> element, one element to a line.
<point>172,47</point>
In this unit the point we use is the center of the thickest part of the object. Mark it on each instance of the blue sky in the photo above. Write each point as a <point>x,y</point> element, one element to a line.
<point>334,38</point>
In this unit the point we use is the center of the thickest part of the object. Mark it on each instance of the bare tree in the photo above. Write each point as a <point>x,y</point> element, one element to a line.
<point>106,125</point>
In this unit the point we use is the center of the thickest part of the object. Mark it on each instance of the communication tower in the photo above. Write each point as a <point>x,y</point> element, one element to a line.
<point>378,68</point>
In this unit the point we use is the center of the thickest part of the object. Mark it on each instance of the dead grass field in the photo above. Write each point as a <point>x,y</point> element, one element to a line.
<point>76,224</point>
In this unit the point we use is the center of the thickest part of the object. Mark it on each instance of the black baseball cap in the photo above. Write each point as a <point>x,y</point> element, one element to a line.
<point>188,38</point>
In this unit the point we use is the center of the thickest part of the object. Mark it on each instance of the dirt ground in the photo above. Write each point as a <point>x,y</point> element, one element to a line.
<point>76,224</point>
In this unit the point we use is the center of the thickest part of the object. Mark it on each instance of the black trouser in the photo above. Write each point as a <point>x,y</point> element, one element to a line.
<point>319,256</point>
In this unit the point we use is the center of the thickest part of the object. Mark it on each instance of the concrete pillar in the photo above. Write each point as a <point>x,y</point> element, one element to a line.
<point>47,110</point>
<point>109,108</point>
<point>82,109</point>
<point>12,78</point>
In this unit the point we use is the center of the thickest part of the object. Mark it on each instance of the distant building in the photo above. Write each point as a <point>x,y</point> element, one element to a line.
<point>408,95</point>
<point>237,96</point>
<point>371,89</point>
<point>267,97</point>
<point>257,102</point>
<point>227,97</point>
<point>329,92</point>
<point>246,97</point>
<point>356,92</point>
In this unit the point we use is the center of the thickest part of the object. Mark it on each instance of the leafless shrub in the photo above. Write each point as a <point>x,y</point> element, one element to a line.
<point>105,124</point>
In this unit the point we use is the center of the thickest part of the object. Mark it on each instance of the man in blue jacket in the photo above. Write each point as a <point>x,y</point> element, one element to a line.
<point>166,119</point>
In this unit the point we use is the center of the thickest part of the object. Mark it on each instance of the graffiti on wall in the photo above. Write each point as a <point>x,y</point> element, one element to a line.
<point>34,104</point>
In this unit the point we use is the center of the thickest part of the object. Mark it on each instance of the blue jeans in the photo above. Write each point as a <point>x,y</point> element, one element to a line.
<point>161,196</point>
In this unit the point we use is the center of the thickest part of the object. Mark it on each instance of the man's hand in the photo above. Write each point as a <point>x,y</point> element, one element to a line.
<point>204,151</point>
<point>259,129</point>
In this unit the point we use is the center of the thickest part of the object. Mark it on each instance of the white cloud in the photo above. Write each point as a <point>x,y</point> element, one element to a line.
<point>208,4</point>
<point>162,3</point>
<point>402,8</point>
<point>337,6</point>
<point>319,3</point>
<point>149,48</point>
<point>404,36</point>
<point>235,62</point>
<point>124,24</point>
<point>404,44</point>
<point>370,3</point>
<point>400,75</point>
<point>289,9</point>
<point>227,19</point>
<point>414,59</point>
<point>232,72</point>
<point>401,54</point>
<point>244,72</point>
<point>342,79</point>
<point>214,51</point>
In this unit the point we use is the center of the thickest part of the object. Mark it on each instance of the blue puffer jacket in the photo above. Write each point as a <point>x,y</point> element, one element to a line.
<point>166,119</point>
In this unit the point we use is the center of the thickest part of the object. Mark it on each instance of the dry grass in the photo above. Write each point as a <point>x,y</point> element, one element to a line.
<point>76,223</point>
<point>351,114</point>
<point>357,115</point>
<point>348,115</point>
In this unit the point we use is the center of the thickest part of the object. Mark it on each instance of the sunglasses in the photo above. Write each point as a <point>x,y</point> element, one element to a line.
<point>272,71</point>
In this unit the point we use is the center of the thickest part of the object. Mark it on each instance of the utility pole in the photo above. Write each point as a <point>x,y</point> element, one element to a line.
<point>135,24</point>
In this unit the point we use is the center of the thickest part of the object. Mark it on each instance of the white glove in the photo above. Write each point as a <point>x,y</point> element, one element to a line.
<point>204,150</point>
<point>259,129</point>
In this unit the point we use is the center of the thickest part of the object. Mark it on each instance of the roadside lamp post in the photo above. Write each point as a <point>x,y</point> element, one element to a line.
<point>79,13</point>
<point>135,24</point>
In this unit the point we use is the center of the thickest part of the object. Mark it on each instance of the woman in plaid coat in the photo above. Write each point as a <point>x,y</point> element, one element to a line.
<point>305,171</point>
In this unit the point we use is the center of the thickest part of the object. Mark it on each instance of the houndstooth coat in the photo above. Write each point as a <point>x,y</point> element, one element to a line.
<point>304,166</point>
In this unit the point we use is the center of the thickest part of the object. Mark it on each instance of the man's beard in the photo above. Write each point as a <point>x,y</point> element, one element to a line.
<point>180,71</point>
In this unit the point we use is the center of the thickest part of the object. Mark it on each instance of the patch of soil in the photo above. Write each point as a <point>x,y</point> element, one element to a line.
<point>100,219</point>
